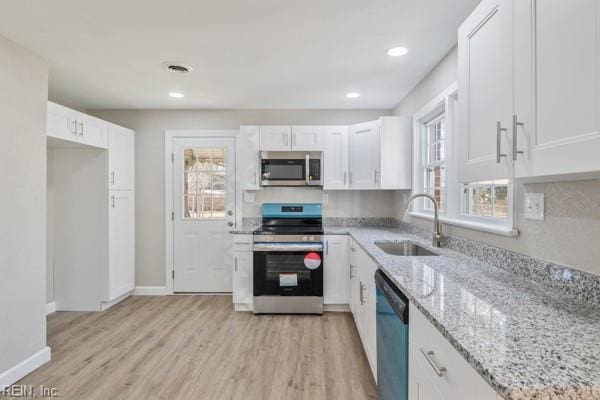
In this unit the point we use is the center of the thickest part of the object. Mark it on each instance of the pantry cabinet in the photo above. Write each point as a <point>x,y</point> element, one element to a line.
<point>336,273</point>
<point>121,158</point>
<point>437,370</point>
<point>121,244</point>
<point>335,157</point>
<point>529,92</point>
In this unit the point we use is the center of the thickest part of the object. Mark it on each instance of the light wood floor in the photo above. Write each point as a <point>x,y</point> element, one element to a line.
<point>197,347</point>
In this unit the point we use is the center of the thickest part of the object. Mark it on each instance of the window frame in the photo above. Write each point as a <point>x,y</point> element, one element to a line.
<point>446,104</point>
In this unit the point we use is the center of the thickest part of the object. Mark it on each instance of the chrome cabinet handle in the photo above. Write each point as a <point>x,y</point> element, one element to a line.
<point>345,176</point>
<point>351,271</point>
<point>307,171</point>
<point>440,371</point>
<point>362,296</point>
<point>293,139</point>
<point>375,177</point>
<point>81,128</point>
<point>112,178</point>
<point>113,201</point>
<point>515,128</point>
<point>499,130</point>
<point>327,247</point>
<point>235,264</point>
<point>72,127</point>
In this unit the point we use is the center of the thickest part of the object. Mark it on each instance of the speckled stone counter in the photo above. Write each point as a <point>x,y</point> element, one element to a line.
<point>528,341</point>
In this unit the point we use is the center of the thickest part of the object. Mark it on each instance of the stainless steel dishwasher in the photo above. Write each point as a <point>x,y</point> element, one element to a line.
<point>392,340</point>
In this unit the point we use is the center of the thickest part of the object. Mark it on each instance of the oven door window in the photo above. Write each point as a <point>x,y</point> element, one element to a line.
<point>286,274</point>
<point>283,170</point>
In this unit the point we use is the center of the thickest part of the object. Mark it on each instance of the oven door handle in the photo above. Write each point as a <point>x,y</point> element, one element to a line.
<point>283,247</point>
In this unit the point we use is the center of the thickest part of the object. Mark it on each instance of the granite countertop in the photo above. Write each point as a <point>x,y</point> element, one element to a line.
<point>526,340</point>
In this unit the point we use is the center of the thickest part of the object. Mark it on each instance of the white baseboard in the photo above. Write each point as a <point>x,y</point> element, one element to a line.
<point>105,305</point>
<point>150,291</point>
<point>336,307</point>
<point>50,308</point>
<point>23,368</point>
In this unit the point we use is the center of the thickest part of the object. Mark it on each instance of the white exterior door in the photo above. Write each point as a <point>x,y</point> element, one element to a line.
<point>335,157</point>
<point>485,87</point>
<point>558,95</point>
<point>364,155</point>
<point>275,138</point>
<point>307,138</point>
<point>121,246</point>
<point>204,212</point>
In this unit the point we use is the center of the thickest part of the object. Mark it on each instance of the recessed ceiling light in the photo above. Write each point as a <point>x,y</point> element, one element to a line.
<point>353,95</point>
<point>397,51</point>
<point>176,95</point>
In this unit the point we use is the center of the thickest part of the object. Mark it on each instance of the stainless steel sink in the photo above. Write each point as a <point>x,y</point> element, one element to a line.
<point>404,249</point>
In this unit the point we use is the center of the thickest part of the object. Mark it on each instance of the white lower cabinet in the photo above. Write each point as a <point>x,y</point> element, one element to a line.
<point>336,271</point>
<point>436,370</point>
<point>363,302</point>
<point>121,244</point>
<point>242,272</point>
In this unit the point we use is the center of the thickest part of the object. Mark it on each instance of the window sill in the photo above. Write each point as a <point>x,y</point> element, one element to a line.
<point>495,229</point>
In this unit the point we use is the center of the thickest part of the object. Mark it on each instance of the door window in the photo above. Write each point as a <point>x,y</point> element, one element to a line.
<point>204,192</point>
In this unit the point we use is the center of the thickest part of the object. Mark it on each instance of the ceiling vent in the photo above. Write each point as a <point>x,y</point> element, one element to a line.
<point>177,67</point>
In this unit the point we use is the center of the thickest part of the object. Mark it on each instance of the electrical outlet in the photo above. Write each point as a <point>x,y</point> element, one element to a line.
<point>248,197</point>
<point>534,207</point>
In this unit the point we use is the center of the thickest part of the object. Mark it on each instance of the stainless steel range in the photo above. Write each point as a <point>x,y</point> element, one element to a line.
<point>288,260</point>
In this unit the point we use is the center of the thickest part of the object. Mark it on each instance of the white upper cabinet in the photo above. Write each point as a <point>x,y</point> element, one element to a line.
<point>335,157</point>
<point>557,80</point>
<point>275,138</point>
<point>307,138</point>
<point>121,158</point>
<point>381,154</point>
<point>70,125</point>
<point>485,92</point>
<point>364,155</point>
<point>61,122</point>
<point>248,158</point>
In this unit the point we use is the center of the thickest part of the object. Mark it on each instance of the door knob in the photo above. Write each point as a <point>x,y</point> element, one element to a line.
<point>230,223</point>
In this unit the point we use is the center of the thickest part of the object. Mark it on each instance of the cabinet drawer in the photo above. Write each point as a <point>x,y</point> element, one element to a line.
<point>459,381</point>
<point>242,242</point>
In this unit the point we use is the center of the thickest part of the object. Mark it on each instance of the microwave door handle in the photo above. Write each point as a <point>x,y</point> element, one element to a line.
<point>307,171</point>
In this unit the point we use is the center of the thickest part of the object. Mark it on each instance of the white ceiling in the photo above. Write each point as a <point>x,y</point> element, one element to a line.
<point>245,53</point>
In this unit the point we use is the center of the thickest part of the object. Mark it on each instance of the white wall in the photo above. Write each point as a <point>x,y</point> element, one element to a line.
<point>150,127</point>
<point>570,232</point>
<point>23,95</point>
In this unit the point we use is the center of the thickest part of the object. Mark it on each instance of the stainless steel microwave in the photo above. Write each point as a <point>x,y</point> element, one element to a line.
<point>291,168</point>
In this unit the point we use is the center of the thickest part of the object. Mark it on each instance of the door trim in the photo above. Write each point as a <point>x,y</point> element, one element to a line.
<point>170,136</point>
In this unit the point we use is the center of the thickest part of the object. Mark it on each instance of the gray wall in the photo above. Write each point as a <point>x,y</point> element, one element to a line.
<point>150,127</point>
<point>570,232</point>
<point>23,95</point>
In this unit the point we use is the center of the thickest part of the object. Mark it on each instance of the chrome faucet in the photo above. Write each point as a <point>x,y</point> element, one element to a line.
<point>437,226</point>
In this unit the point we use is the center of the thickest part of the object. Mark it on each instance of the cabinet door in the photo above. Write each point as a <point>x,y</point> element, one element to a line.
<point>485,87</point>
<point>92,131</point>
<point>121,243</point>
<point>121,158</point>
<point>275,138</point>
<point>558,90</point>
<point>242,277</point>
<point>420,386</point>
<point>307,138</point>
<point>61,122</point>
<point>336,273</point>
<point>369,309</point>
<point>364,155</point>
<point>335,157</point>
<point>354,283</point>
<point>248,157</point>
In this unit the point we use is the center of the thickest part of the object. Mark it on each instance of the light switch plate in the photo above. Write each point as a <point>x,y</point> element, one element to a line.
<point>248,197</point>
<point>534,207</point>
